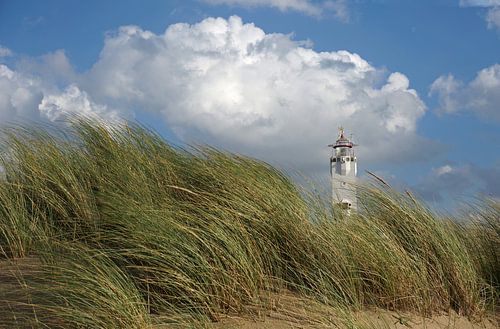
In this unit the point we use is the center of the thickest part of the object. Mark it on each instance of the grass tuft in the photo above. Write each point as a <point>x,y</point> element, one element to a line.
<point>132,232</point>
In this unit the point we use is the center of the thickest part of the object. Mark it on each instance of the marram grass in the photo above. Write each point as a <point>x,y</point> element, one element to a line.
<point>132,233</point>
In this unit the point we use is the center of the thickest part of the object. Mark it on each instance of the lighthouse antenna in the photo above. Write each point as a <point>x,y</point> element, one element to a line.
<point>341,132</point>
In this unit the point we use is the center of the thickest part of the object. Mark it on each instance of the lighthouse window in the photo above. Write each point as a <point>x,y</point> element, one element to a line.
<point>334,160</point>
<point>352,159</point>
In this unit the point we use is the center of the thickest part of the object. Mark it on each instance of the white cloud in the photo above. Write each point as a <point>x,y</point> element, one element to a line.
<point>32,94</point>
<point>447,88</point>
<point>479,3</point>
<point>232,85</point>
<point>493,18</point>
<point>339,8</point>
<point>73,101</point>
<point>308,7</point>
<point>446,169</point>
<point>5,52</point>
<point>19,95</point>
<point>480,96</point>
<point>54,67</point>
<point>493,14</point>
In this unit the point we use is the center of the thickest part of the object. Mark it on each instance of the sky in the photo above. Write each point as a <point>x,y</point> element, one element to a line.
<point>417,83</point>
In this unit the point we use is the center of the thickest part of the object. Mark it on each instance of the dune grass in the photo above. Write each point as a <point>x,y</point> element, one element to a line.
<point>133,232</point>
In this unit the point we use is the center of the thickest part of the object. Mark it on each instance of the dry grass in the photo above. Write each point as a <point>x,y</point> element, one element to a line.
<point>132,232</point>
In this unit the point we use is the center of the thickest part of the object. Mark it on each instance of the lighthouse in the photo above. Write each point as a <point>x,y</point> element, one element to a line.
<point>343,169</point>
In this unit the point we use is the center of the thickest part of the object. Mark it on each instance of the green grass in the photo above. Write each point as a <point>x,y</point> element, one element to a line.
<point>133,232</point>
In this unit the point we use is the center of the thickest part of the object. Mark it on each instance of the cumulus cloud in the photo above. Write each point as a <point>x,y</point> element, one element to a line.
<point>447,88</point>
<point>58,106</point>
<point>54,68</point>
<point>19,95</point>
<point>313,8</point>
<point>25,96</point>
<point>480,95</point>
<point>493,13</point>
<point>232,85</point>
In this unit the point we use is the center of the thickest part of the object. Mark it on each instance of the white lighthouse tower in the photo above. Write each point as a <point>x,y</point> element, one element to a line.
<point>343,169</point>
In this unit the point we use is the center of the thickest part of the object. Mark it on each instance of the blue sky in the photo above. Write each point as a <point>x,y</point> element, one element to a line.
<point>418,83</point>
